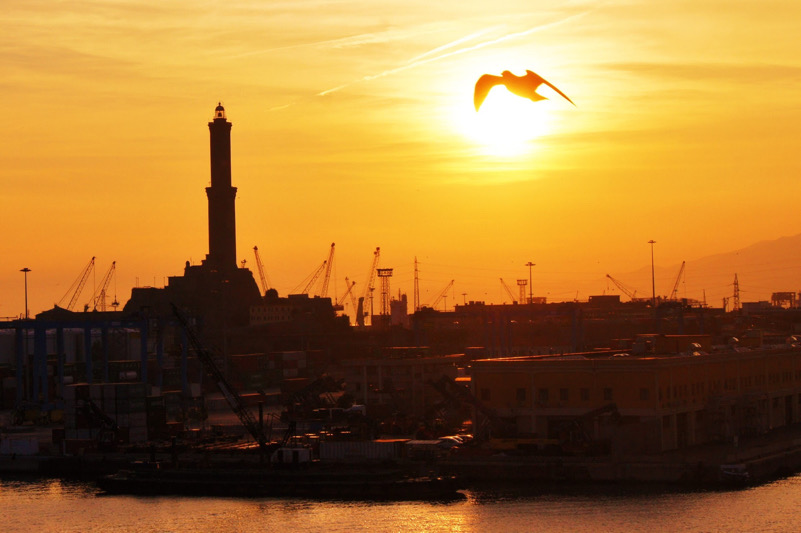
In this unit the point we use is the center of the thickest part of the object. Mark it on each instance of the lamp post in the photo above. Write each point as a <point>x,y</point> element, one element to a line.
<point>25,272</point>
<point>653,284</point>
<point>530,286</point>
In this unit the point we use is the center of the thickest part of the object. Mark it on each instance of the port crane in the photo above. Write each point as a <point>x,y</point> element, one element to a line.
<point>310,280</point>
<point>327,276</point>
<point>340,304</point>
<point>442,294</point>
<point>674,292</point>
<point>99,297</point>
<point>265,283</point>
<point>77,286</point>
<point>508,291</point>
<point>631,293</point>
<point>229,393</point>
<point>360,312</point>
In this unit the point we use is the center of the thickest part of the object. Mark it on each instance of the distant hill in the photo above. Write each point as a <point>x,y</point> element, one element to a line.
<point>762,269</point>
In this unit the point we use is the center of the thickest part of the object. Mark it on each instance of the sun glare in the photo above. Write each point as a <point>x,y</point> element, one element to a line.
<point>506,125</point>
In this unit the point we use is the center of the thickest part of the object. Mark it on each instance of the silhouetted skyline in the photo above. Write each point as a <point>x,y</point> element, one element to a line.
<point>355,124</point>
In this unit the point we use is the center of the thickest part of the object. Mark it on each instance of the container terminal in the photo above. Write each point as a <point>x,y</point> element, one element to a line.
<point>211,374</point>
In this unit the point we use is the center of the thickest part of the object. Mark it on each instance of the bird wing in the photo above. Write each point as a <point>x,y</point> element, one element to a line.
<point>483,86</point>
<point>549,84</point>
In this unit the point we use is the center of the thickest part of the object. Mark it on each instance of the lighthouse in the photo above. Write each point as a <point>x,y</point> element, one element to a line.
<point>218,291</point>
<point>221,196</point>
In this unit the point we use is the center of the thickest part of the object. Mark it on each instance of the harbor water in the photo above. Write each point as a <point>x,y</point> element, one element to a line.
<point>54,505</point>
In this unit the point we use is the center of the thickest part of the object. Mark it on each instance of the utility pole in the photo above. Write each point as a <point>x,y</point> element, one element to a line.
<point>25,272</point>
<point>530,284</point>
<point>653,283</point>
<point>416,287</point>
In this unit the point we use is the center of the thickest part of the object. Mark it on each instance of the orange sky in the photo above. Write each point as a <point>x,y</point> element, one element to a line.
<point>353,123</point>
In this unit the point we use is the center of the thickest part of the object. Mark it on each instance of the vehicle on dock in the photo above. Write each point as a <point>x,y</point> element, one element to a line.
<point>734,474</point>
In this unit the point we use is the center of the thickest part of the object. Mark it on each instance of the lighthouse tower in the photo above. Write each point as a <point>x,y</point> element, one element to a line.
<point>221,195</point>
<point>218,291</point>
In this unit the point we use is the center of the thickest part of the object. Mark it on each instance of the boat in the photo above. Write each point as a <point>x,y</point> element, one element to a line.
<point>320,483</point>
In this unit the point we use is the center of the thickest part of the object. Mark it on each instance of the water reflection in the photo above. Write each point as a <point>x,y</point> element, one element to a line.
<point>54,505</point>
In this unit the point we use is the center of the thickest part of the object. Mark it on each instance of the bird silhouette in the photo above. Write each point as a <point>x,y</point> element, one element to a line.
<point>525,86</point>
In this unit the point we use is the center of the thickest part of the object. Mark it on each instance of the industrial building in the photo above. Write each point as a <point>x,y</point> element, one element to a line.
<point>675,393</point>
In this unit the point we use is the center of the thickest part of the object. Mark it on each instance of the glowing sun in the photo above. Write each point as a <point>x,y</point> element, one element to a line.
<point>506,125</point>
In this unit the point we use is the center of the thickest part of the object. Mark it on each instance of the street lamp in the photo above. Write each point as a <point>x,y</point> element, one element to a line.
<point>530,286</point>
<point>25,272</point>
<point>653,284</point>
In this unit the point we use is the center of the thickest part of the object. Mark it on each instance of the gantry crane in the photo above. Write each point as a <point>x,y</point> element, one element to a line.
<point>442,294</point>
<point>77,286</point>
<point>674,292</point>
<point>508,291</point>
<point>99,297</point>
<point>265,284</point>
<point>631,293</point>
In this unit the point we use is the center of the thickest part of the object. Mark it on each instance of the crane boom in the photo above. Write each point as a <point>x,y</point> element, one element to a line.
<point>631,293</point>
<point>99,297</point>
<point>442,294</point>
<point>508,291</point>
<point>77,285</point>
<point>229,393</point>
<point>347,292</point>
<point>327,277</point>
<point>371,274</point>
<point>675,290</point>
<point>314,277</point>
<point>265,284</point>
<point>360,312</point>
<point>353,300</point>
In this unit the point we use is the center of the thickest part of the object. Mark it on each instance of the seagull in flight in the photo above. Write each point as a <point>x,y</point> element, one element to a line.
<point>525,86</point>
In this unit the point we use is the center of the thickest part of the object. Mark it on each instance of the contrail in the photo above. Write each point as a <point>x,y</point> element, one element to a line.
<point>451,44</point>
<point>478,46</point>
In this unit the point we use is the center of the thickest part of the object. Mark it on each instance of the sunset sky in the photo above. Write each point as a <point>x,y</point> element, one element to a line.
<point>353,123</point>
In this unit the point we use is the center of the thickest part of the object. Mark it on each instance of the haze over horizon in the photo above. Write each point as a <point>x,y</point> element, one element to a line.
<point>353,123</point>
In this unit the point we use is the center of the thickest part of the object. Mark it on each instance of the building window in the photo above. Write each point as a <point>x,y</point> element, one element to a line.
<point>645,394</point>
<point>563,395</point>
<point>543,395</point>
<point>585,395</point>
<point>521,395</point>
<point>607,394</point>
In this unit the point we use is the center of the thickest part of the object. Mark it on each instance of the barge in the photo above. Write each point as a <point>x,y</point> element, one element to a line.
<point>374,484</point>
